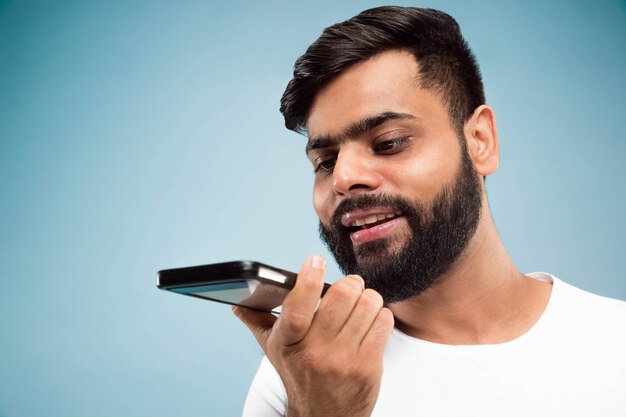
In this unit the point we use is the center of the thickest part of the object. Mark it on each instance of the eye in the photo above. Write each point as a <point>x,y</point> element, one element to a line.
<point>391,146</point>
<point>325,165</point>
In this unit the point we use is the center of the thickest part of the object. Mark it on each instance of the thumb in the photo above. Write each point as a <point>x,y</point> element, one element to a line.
<point>258,322</point>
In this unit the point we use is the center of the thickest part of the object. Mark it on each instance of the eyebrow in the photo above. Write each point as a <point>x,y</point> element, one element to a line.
<point>355,130</point>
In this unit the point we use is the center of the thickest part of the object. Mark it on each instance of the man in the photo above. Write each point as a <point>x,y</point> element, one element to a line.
<point>433,318</point>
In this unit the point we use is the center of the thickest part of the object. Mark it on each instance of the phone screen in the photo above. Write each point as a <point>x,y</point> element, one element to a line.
<point>249,292</point>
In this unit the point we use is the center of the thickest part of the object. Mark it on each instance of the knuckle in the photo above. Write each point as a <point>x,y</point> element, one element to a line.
<point>386,317</point>
<point>309,361</point>
<point>343,293</point>
<point>346,288</point>
<point>308,282</point>
<point>294,322</point>
<point>356,280</point>
<point>338,367</point>
<point>362,378</point>
<point>354,371</point>
<point>371,299</point>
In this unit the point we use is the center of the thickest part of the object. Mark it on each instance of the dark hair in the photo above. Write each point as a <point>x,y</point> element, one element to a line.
<point>446,63</point>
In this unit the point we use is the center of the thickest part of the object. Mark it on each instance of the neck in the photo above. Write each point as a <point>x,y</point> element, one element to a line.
<point>481,299</point>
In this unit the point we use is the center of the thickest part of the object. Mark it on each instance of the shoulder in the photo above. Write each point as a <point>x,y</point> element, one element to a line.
<point>589,303</point>
<point>586,313</point>
<point>267,396</point>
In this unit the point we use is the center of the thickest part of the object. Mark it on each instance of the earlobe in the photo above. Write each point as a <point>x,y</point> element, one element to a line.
<point>482,140</point>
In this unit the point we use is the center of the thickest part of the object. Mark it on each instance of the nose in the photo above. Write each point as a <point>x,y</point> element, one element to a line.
<point>354,172</point>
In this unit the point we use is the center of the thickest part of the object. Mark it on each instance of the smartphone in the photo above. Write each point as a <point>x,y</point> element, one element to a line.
<point>242,283</point>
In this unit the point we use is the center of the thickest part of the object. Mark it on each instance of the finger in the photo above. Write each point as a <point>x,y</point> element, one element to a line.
<point>301,302</point>
<point>259,323</point>
<point>363,316</point>
<point>337,305</point>
<point>376,338</point>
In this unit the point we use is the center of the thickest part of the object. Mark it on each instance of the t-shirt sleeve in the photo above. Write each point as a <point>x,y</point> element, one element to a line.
<point>267,396</point>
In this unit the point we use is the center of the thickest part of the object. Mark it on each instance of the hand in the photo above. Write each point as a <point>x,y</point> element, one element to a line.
<point>330,360</point>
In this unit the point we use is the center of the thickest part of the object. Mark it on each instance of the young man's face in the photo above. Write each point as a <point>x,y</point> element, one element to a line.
<point>395,191</point>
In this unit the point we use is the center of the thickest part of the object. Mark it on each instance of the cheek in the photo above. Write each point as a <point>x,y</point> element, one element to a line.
<point>321,202</point>
<point>423,176</point>
<point>318,201</point>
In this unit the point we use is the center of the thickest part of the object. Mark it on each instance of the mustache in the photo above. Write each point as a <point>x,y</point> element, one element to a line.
<point>368,201</point>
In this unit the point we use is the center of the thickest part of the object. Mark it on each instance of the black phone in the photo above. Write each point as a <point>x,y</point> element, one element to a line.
<point>242,283</point>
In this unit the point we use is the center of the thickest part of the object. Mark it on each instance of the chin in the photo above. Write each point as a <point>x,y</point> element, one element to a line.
<point>379,250</point>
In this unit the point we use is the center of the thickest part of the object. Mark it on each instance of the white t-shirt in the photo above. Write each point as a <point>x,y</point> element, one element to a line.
<point>572,362</point>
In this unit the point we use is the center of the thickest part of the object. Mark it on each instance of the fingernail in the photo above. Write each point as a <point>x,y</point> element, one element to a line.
<point>317,262</point>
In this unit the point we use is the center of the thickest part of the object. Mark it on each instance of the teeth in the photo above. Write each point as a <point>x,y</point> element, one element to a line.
<point>371,219</point>
<point>374,218</point>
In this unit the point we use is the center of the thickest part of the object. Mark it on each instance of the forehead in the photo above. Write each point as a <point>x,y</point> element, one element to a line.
<point>387,82</point>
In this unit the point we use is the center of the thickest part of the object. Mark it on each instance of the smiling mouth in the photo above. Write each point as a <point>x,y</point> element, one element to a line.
<point>372,221</point>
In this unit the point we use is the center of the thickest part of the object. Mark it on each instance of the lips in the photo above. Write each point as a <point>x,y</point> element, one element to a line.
<point>368,225</point>
<point>367,218</point>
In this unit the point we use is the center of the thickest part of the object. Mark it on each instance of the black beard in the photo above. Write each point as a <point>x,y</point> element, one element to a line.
<point>437,239</point>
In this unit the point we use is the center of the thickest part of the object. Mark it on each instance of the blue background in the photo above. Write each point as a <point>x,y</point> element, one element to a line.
<point>140,135</point>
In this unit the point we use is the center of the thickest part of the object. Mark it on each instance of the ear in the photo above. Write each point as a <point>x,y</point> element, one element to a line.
<point>482,140</point>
